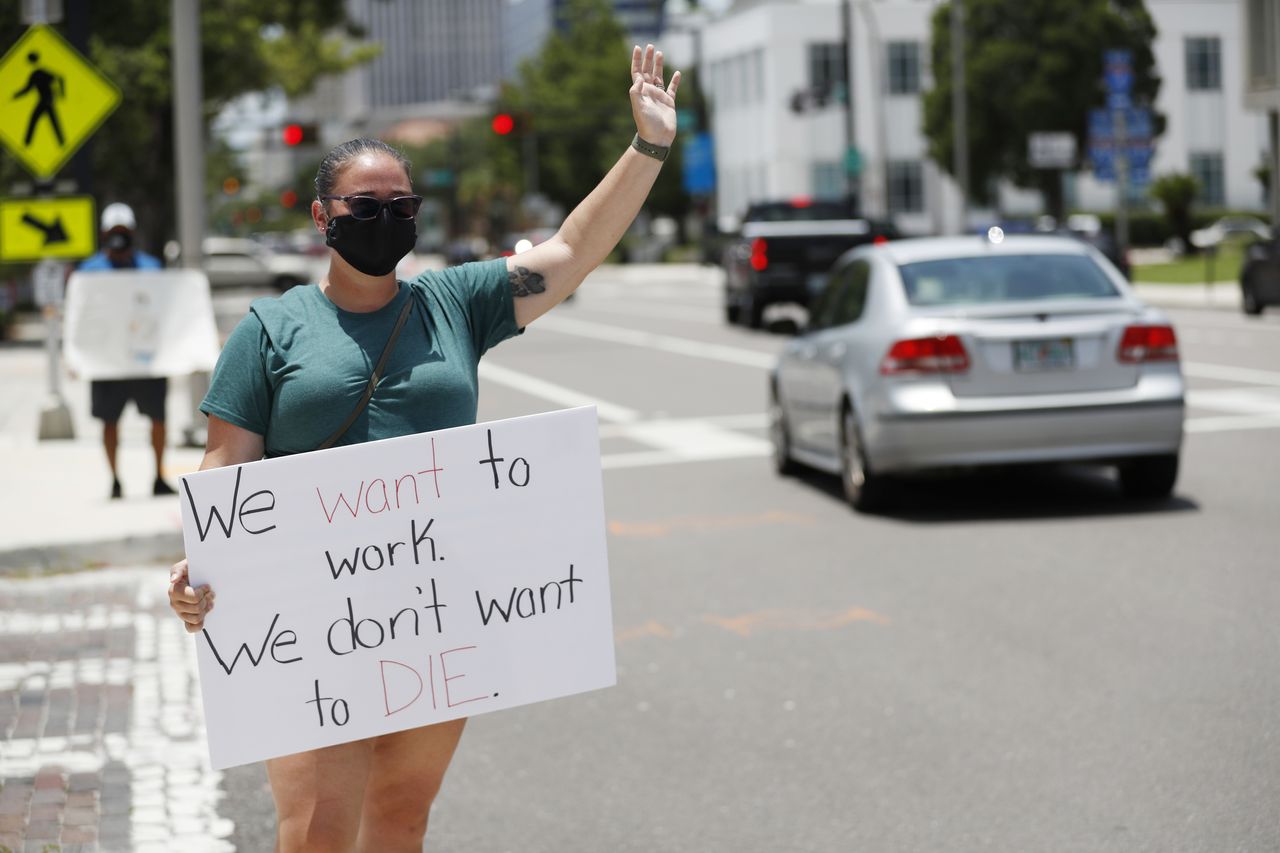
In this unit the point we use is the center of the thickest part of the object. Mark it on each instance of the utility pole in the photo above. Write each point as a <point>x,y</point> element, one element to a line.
<point>1273,131</point>
<point>188,144</point>
<point>959,112</point>
<point>850,125</point>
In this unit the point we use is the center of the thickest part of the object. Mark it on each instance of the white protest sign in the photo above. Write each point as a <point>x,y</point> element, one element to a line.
<point>124,324</point>
<point>368,589</point>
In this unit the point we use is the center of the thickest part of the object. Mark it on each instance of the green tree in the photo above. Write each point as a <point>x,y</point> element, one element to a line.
<point>1031,65</point>
<point>572,96</point>
<point>247,46</point>
<point>1176,192</point>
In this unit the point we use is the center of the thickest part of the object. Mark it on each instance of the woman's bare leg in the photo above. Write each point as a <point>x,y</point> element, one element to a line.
<point>318,797</point>
<point>405,774</point>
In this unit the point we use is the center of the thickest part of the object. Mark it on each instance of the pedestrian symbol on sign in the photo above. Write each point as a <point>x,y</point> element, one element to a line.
<point>51,100</point>
<point>43,82</point>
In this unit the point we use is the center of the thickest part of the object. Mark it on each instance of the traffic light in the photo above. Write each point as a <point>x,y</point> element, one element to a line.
<point>503,124</point>
<point>288,198</point>
<point>299,134</point>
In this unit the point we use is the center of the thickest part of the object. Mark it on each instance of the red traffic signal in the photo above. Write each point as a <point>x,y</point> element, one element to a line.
<point>503,124</point>
<point>298,134</point>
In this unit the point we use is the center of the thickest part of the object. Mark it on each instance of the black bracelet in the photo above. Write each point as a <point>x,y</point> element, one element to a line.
<point>657,152</point>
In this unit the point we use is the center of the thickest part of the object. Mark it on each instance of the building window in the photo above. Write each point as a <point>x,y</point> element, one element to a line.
<point>1207,169</point>
<point>1204,64</point>
<point>826,70</point>
<point>906,186</point>
<point>828,180</point>
<point>904,67</point>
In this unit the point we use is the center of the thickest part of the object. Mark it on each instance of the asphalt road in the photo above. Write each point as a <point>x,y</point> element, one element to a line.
<point>1011,661</point>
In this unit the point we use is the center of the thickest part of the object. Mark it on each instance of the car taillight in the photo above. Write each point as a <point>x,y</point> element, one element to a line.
<point>880,240</point>
<point>759,255</point>
<point>941,354</point>
<point>1148,343</point>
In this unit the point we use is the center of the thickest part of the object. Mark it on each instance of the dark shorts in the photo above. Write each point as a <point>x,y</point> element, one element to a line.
<point>108,397</point>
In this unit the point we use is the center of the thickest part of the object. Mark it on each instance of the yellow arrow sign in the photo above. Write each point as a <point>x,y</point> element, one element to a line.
<point>54,99</point>
<point>35,228</point>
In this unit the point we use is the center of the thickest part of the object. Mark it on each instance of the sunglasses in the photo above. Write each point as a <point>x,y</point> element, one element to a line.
<point>368,207</point>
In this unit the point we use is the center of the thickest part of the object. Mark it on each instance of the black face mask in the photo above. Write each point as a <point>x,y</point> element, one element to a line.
<point>373,246</point>
<point>118,241</point>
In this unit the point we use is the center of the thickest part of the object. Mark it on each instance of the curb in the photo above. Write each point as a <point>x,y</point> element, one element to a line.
<point>64,557</point>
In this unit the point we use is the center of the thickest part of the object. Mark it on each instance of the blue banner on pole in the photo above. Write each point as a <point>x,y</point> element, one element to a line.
<point>1117,72</point>
<point>699,165</point>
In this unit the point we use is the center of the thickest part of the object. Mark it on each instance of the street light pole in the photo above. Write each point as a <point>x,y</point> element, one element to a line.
<point>188,143</point>
<point>850,125</point>
<point>959,112</point>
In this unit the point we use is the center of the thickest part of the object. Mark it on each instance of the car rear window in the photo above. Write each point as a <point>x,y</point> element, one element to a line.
<point>1005,278</point>
<point>810,212</point>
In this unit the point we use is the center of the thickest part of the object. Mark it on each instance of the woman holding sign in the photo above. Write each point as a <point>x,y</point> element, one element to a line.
<point>294,376</point>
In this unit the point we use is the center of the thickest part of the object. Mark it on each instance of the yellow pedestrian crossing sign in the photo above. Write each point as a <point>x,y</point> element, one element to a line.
<point>54,99</point>
<point>36,228</point>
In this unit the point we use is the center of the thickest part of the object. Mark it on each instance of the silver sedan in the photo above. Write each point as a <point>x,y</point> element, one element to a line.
<point>943,352</point>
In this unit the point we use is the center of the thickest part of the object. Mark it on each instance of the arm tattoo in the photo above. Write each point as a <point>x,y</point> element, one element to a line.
<point>524,282</point>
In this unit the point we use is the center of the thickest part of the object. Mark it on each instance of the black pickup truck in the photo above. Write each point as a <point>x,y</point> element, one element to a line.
<point>785,250</point>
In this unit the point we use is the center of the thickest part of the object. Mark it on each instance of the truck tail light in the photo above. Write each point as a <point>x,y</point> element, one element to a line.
<point>759,255</point>
<point>939,354</point>
<point>1148,343</point>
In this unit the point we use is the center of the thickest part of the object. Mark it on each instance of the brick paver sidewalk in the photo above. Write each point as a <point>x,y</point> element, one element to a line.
<point>102,742</point>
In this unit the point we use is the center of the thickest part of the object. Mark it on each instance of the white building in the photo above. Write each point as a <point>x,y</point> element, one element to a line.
<point>774,141</point>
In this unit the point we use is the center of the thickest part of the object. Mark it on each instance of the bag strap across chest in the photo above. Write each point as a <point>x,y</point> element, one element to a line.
<point>374,378</point>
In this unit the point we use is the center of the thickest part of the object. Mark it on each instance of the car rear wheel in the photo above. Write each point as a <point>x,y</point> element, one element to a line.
<point>780,437</point>
<point>863,490</point>
<point>732,314</point>
<point>1149,476</point>
<point>1249,299</point>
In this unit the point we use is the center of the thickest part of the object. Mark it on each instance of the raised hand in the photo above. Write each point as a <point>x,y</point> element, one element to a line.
<point>653,106</point>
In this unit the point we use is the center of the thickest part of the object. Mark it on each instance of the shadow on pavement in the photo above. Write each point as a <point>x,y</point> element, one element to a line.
<point>1013,492</point>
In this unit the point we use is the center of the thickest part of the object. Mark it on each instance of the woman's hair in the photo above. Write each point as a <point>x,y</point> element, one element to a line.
<point>336,160</point>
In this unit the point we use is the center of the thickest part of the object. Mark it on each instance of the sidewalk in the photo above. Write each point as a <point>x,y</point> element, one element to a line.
<point>102,744</point>
<point>1221,295</point>
<point>55,514</point>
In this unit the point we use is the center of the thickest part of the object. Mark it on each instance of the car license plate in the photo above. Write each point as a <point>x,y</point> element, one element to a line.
<point>1052,354</point>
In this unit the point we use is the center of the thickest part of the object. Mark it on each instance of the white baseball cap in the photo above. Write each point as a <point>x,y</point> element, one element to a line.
<point>118,215</point>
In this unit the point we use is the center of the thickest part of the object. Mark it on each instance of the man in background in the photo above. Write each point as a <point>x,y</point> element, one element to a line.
<point>109,396</point>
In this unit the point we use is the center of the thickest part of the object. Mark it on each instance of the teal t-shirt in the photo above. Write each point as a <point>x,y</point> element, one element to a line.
<point>294,368</point>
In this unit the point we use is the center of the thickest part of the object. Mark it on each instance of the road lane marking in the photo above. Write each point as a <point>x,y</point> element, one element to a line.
<point>1240,401</point>
<point>701,314</point>
<point>1198,319</point>
<point>793,620</point>
<point>1200,370</point>
<point>529,384</point>
<point>1227,423</point>
<point>665,527</point>
<point>664,343</point>
<point>651,628</point>
<point>752,421</point>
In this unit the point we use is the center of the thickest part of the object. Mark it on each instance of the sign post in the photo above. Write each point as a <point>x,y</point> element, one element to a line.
<point>55,417</point>
<point>1120,138</point>
<point>56,99</point>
